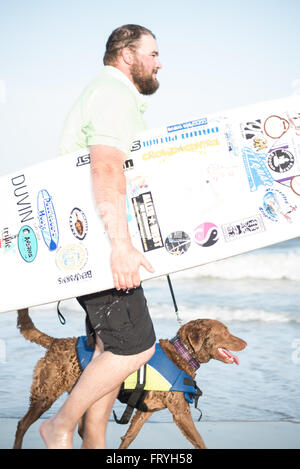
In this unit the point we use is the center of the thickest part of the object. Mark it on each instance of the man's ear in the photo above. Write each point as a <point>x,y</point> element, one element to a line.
<point>127,55</point>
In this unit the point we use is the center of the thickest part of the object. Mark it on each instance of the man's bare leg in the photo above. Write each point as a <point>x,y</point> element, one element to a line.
<point>96,418</point>
<point>103,375</point>
<point>95,421</point>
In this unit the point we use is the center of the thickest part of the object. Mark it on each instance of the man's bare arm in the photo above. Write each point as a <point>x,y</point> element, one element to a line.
<point>109,188</point>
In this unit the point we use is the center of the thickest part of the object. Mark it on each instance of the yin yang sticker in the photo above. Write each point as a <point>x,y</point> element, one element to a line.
<point>206,234</point>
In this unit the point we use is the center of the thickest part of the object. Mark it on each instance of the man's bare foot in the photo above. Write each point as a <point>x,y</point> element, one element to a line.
<point>54,436</point>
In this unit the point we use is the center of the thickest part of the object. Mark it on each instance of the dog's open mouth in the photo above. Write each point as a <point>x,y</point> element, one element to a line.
<point>228,356</point>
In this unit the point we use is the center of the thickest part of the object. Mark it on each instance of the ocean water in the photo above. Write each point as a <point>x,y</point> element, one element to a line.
<point>257,295</point>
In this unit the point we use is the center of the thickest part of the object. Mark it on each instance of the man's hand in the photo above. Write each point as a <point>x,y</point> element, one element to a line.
<point>125,265</point>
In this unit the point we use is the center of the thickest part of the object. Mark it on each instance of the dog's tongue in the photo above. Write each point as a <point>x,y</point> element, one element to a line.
<point>227,354</point>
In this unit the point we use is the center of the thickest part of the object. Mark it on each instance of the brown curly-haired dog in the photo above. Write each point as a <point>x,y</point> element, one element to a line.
<point>58,371</point>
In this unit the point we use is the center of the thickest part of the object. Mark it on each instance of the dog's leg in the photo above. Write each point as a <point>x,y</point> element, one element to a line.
<point>135,425</point>
<point>180,410</point>
<point>187,427</point>
<point>36,409</point>
<point>47,386</point>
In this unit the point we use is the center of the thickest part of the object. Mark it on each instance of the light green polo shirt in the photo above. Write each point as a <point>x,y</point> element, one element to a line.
<point>108,112</point>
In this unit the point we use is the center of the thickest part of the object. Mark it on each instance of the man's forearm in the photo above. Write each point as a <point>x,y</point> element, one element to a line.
<point>109,188</point>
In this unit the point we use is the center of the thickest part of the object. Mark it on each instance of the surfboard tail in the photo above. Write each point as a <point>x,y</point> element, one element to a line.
<point>30,332</point>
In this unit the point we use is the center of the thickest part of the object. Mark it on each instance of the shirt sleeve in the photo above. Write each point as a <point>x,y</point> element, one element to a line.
<point>113,118</point>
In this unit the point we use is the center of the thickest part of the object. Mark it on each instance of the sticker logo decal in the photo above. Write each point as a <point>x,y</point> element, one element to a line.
<point>47,220</point>
<point>275,126</point>
<point>27,243</point>
<point>206,234</point>
<point>293,182</point>
<point>83,160</point>
<point>294,119</point>
<point>7,241</point>
<point>241,228</point>
<point>177,243</point>
<point>23,199</point>
<point>281,160</point>
<point>257,171</point>
<point>78,223</point>
<point>276,205</point>
<point>71,257</point>
<point>77,277</point>
<point>128,164</point>
<point>147,222</point>
<point>187,125</point>
<point>252,129</point>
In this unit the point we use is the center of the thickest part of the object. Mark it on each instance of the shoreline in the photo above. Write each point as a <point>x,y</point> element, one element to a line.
<point>216,435</point>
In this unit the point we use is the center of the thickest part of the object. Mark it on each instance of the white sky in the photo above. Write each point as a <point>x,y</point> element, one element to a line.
<point>216,55</point>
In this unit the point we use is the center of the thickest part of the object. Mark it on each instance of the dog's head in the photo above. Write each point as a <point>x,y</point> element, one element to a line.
<point>207,338</point>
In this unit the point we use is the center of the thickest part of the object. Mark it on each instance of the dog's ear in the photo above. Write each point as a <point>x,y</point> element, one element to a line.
<point>197,332</point>
<point>196,339</point>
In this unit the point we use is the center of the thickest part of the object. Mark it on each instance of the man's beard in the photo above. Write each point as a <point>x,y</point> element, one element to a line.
<point>146,84</point>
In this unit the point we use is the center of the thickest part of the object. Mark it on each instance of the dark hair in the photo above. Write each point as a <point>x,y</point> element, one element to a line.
<point>124,36</point>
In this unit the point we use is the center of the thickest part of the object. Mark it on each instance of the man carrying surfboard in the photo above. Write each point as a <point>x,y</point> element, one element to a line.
<point>106,118</point>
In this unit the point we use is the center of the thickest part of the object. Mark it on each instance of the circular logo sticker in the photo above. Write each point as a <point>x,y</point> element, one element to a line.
<point>275,126</point>
<point>206,234</point>
<point>275,205</point>
<point>281,160</point>
<point>177,243</point>
<point>78,223</point>
<point>71,257</point>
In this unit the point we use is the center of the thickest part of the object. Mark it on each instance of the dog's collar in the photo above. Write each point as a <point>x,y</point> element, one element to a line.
<point>184,353</point>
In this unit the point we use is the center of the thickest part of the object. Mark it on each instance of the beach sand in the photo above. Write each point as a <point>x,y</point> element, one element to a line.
<point>217,435</point>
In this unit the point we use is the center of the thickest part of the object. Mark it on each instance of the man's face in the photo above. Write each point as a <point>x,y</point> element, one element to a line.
<point>146,65</point>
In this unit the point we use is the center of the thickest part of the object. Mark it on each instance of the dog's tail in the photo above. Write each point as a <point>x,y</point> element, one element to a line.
<point>30,332</point>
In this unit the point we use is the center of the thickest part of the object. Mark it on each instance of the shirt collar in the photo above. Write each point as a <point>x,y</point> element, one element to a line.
<point>115,72</point>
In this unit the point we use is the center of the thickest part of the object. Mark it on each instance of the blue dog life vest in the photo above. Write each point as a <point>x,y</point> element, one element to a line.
<point>84,352</point>
<point>158,374</point>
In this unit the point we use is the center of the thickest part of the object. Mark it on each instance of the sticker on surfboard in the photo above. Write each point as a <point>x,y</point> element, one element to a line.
<point>177,243</point>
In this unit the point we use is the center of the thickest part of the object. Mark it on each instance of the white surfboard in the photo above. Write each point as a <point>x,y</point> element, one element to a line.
<point>198,191</point>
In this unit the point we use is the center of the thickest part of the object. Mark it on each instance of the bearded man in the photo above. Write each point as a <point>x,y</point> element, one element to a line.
<point>106,118</point>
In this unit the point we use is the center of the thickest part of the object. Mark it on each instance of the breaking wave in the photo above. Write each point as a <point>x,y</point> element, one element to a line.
<point>225,314</point>
<point>267,264</point>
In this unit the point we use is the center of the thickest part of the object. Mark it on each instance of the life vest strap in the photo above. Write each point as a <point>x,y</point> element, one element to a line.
<point>134,397</point>
<point>190,397</point>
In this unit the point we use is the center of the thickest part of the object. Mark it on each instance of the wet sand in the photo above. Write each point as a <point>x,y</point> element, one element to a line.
<point>217,435</point>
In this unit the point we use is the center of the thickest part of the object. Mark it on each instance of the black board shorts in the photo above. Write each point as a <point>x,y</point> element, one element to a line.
<point>120,319</point>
